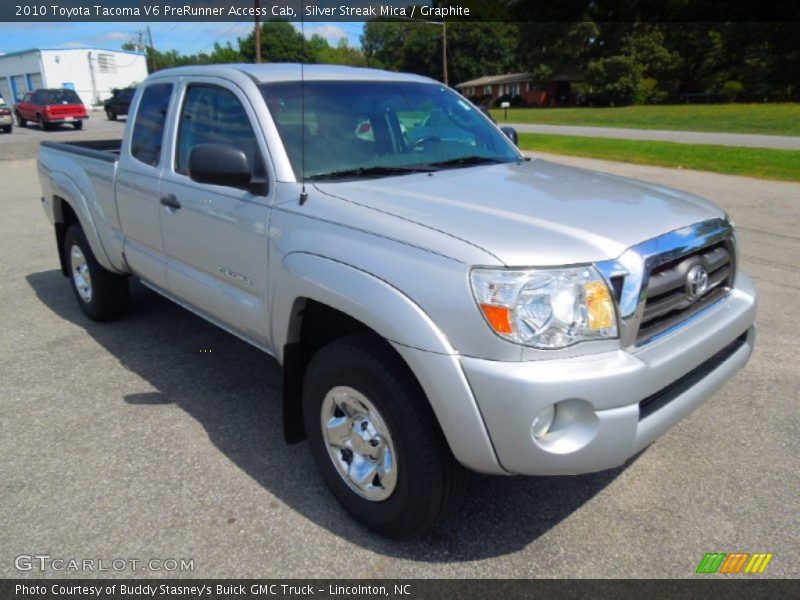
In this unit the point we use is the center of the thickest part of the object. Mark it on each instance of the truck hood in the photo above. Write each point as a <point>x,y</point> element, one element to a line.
<point>530,213</point>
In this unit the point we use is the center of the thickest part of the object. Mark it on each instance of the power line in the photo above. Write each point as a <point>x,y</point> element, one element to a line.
<point>221,35</point>
<point>194,39</point>
<point>166,32</point>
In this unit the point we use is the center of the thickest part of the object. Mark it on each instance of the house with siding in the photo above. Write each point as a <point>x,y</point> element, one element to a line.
<point>557,91</point>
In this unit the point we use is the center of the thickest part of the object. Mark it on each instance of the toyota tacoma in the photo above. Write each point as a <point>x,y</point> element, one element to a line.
<point>438,301</point>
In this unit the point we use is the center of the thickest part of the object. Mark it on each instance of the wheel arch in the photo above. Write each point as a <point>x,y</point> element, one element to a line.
<point>319,300</point>
<point>68,202</point>
<point>347,299</point>
<point>64,216</point>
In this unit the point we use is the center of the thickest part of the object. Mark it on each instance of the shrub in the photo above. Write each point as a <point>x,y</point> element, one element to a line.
<point>731,90</point>
<point>649,92</point>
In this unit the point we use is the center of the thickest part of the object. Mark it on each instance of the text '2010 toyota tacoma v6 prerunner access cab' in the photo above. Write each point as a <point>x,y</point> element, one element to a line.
<point>436,300</point>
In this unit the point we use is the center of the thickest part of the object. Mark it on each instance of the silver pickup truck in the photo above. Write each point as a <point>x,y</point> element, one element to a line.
<point>436,299</point>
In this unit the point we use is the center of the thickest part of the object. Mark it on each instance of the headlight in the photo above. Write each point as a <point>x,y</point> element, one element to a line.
<point>546,308</point>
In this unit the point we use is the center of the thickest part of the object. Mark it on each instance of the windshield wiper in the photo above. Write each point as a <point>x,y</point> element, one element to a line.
<point>467,161</point>
<point>371,172</point>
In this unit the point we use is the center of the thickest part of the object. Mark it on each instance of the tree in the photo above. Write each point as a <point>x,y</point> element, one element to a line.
<point>615,80</point>
<point>480,48</point>
<point>549,48</point>
<point>474,48</point>
<point>280,42</point>
<point>383,43</point>
<point>341,54</point>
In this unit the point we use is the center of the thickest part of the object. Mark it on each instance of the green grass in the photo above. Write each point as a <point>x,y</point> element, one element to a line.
<point>752,162</point>
<point>770,119</point>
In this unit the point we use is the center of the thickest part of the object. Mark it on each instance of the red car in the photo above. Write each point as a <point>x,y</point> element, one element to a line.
<point>51,107</point>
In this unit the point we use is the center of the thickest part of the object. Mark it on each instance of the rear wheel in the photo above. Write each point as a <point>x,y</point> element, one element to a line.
<point>78,124</point>
<point>43,125</point>
<point>101,294</point>
<point>20,121</point>
<point>375,438</point>
<point>8,128</point>
<point>112,116</point>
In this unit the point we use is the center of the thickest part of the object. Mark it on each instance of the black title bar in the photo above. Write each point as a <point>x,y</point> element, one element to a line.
<point>701,587</point>
<point>385,10</point>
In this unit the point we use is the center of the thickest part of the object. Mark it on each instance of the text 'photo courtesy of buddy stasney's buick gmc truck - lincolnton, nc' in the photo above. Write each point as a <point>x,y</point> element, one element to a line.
<point>438,302</point>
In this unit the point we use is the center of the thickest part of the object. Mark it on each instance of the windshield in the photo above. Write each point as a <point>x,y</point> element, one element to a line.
<point>374,128</point>
<point>59,97</point>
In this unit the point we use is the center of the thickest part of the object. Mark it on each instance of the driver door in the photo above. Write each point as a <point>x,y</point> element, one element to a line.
<point>216,236</point>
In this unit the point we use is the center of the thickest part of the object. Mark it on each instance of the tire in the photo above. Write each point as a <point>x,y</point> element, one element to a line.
<point>20,121</point>
<point>78,125</point>
<point>8,128</point>
<point>107,293</point>
<point>426,478</point>
<point>111,115</point>
<point>44,126</point>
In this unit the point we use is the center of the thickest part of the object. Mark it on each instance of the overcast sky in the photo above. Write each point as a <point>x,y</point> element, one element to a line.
<point>187,38</point>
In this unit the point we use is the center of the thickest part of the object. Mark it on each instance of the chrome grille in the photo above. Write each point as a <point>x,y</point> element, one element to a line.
<point>649,280</point>
<point>668,300</point>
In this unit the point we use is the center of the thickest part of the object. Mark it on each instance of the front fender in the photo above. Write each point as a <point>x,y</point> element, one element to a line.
<point>357,293</point>
<point>397,318</point>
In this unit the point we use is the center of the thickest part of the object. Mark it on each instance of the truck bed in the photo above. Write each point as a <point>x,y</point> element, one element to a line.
<point>107,150</point>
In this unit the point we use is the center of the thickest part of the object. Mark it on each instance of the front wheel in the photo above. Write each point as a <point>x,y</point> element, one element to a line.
<point>101,294</point>
<point>375,438</point>
<point>20,121</point>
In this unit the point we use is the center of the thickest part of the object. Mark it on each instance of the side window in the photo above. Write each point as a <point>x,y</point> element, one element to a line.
<point>213,115</point>
<point>148,130</point>
<point>26,98</point>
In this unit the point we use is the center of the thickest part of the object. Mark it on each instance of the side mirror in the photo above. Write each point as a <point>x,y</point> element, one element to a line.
<point>219,164</point>
<point>512,134</point>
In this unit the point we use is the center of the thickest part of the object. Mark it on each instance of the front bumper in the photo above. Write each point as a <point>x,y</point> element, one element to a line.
<point>599,425</point>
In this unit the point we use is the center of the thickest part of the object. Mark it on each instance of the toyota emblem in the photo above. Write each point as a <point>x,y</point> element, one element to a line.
<point>696,282</point>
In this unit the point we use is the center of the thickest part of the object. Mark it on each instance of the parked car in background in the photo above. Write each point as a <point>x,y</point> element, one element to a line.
<point>119,103</point>
<point>48,107</point>
<point>6,120</point>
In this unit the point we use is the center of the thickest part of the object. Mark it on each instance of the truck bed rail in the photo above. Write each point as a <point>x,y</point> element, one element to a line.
<point>107,150</point>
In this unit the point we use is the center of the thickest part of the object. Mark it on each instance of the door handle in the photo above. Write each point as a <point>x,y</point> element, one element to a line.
<point>171,202</point>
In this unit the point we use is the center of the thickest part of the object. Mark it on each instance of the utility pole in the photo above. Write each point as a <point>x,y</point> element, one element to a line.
<point>258,34</point>
<point>444,50</point>
<point>152,50</point>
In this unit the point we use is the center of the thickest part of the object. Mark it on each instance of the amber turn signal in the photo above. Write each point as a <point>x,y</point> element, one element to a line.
<point>599,306</point>
<point>499,317</point>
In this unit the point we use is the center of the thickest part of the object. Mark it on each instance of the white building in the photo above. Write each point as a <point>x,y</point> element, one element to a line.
<point>91,72</point>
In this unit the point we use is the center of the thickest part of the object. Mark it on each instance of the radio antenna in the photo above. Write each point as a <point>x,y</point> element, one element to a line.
<point>303,192</point>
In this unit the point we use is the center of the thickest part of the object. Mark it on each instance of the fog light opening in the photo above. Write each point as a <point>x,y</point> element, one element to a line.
<point>542,423</point>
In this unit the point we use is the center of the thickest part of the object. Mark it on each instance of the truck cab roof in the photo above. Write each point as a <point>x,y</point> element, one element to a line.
<point>272,72</point>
